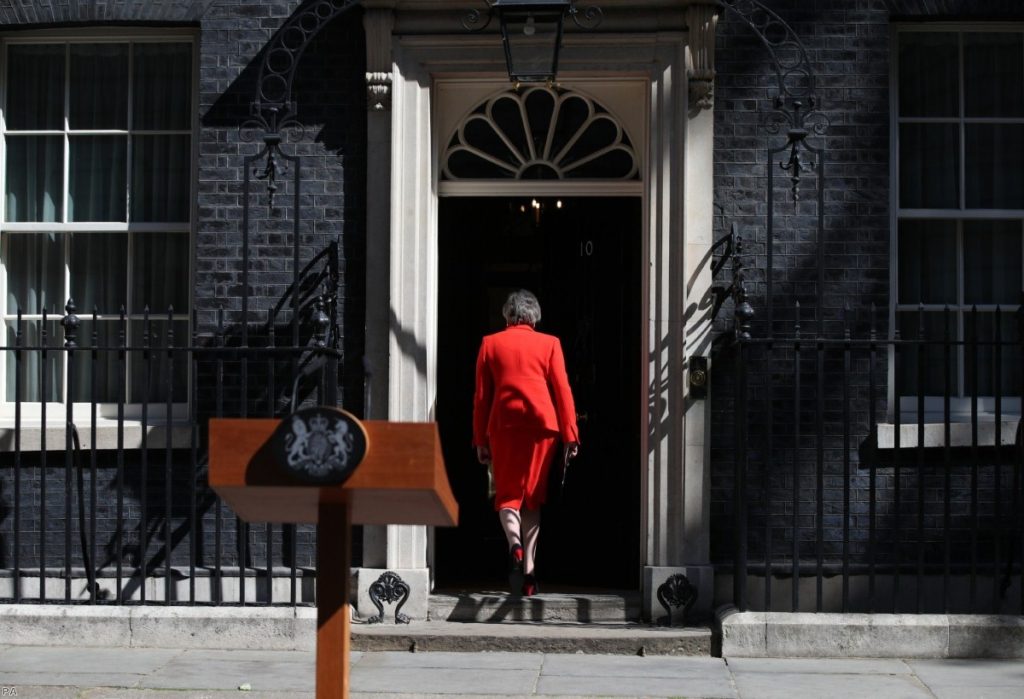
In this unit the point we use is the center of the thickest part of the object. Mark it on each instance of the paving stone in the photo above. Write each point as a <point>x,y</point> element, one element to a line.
<point>631,666</point>
<point>68,679</point>
<point>973,674</point>
<point>27,692</point>
<point>108,693</point>
<point>443,681</point>
<point>119,661</point>
<point>199,670</point>
<point>786,685</point>
<point>454,661</point>
<point>635,687</point>
<point>845,666</point>
<point>607,675</point>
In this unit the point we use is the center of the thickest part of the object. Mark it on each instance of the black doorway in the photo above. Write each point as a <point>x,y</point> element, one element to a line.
<point>581,256</point>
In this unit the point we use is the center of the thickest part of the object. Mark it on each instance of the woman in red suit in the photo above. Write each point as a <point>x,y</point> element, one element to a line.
<point>522,405</point>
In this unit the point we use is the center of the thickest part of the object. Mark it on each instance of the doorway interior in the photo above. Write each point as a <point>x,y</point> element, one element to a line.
<point>581,256</point>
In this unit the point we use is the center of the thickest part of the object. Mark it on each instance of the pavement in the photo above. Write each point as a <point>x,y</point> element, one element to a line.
<point>126,673</point>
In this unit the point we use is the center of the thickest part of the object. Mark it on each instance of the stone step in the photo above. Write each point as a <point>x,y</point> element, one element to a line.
<point>533,637</point>
<point>553,622</point>
<point>487,606</point>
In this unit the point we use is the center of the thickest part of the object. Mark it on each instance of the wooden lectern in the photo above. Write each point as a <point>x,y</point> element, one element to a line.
<point>401,480</point>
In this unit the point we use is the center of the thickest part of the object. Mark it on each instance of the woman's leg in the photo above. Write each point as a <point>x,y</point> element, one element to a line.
<point>530,527</point>
<point>512,525</point>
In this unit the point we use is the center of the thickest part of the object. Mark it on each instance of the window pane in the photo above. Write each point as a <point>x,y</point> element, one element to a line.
<point>1009,357</point>
<point>35,87</point>
<point>929,166</point>
<point>35,273</point>
<point>995,175</point>
<point>162,87</point>
<point>151,377</point>
<point>104,368</point>
<point>98,190</point>
<point>99,86</point>
<point>161,174</point>
<point>994,74</point>
<point>927,262</point>
<point>35,178</point>
<point>99,264</point>
<point>35,382</point>
<point>929,74</point>
<point>932,351</point>
<point>160,275</point>
<point>992,262</point>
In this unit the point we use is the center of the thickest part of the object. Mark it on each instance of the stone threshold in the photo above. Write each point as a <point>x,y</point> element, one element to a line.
<point>828,635</point>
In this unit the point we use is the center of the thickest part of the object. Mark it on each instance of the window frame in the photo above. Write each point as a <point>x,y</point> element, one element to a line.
<point>960,406</point>
<point>31,410</point>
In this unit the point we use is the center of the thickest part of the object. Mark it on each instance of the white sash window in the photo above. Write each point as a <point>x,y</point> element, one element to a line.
<point>97,171</point>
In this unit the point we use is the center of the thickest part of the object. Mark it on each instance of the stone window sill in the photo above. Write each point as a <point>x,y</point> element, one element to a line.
<point>960,433</point>
<point>106,434</point>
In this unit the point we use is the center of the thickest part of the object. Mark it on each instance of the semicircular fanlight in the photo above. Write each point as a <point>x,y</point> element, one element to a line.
<point>540,133</point>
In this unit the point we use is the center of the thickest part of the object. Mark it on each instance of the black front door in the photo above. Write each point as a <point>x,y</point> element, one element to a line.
<point>581,256</point>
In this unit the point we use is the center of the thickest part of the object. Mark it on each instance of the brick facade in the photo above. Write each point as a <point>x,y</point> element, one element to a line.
<point>848,47</point>
<point>330,95</point>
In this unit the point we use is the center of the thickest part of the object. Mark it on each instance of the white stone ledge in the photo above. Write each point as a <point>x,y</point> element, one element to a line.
<point>803,635</point>
<point>254,628</point>
<point>106,434</point>
<point>960,434</point>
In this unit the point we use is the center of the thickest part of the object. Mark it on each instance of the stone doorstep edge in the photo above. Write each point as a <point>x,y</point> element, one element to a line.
<point>827,635</point>
<point>619,645</point>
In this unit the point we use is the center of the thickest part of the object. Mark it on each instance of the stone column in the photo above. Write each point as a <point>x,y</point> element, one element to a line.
<point>680,536</point>
<point>399,549</point>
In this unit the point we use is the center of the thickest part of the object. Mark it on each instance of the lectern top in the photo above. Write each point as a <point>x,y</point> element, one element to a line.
<point>402,480</point>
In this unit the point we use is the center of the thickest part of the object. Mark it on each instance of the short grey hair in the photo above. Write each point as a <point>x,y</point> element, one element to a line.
<point>521,307</point>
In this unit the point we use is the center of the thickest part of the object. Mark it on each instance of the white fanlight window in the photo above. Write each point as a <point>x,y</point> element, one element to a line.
<point>540,133</point>
<point>97,168</point>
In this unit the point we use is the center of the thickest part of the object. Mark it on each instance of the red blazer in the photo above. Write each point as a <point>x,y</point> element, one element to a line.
<point>521,382</point>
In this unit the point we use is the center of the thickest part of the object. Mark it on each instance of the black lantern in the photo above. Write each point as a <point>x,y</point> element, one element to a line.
<point>531,32</point>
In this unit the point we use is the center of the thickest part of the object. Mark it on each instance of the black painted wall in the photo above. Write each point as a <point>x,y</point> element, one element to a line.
<point>329,91</point>
<point>848,45</point>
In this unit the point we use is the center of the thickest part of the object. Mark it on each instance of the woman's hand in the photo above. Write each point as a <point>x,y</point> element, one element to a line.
<point>483,454</point>
<point>570,450</point>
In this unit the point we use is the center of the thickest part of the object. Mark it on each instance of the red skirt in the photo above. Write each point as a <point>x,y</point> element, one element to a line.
<point>522,458</point>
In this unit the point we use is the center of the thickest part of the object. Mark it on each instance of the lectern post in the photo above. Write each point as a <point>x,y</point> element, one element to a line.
<point>334,550</point>
<point>401,480</point>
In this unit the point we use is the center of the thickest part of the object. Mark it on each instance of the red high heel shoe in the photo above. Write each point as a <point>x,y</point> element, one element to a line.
<point>530,586</point>
<point>515,568</point>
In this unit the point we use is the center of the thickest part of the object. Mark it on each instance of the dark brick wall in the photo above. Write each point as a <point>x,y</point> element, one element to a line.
<point>848,44</point>
<point>35,13</point>
<point>329,92</point>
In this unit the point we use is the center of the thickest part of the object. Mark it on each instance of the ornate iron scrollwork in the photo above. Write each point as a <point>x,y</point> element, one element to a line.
<point>273,113</point>
<point>677,591</point>
<point>796,108</point>
<point>389,587</point>
<point>476,20</point>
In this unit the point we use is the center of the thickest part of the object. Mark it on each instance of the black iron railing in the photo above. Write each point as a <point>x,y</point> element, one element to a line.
<point>880,474</point>
<point>103,458</point>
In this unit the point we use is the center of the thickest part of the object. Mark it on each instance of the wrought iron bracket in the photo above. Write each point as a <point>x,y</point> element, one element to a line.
<point>390,588</point>
<point>795,108</point>
<point>477,20</point>
<point>720,292</point>
<point>273,112</point>
<point>677,591</point>
<point>743,312</point>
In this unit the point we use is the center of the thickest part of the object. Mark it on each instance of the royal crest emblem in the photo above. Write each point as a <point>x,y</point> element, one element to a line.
<point>320,445</point>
